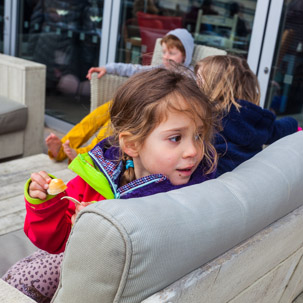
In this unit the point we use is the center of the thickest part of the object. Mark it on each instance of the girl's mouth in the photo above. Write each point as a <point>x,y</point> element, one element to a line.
<point>186,171</point>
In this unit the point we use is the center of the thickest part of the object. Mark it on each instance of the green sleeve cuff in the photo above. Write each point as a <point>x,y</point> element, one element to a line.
<point>34,200</point>
<point>83,166</point>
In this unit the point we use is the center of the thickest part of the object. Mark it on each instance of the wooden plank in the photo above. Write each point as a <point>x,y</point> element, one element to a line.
<point>295,285</point>
<point>11,205</point>
<point>12,222</point>
<point>13,176</point>
<point>20,169</point>
<point>16,188</point>
<point>224,278</point>
<point>271,286</point>
<point>299,299</point>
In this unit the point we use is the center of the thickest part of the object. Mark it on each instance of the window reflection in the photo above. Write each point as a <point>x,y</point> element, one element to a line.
<point>221,24</point>
<point>286,86</point>
<point>64,35</point>
<point>1,24</point>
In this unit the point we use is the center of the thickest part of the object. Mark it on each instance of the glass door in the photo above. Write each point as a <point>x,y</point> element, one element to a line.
<point>1,25</point>
<point>281,63</point>
<point>65,35</point>
<point>227,25</point>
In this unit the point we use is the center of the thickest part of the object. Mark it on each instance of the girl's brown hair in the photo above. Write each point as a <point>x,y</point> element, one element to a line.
<point>225,79</point>
<point>172,41</point>
<point>143,101</point>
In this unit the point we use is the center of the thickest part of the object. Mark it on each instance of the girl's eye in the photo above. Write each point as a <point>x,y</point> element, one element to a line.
<point>198,137</point>
<point>175,138</point>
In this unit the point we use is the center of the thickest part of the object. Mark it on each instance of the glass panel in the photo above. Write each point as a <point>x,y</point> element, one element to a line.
<point>285,90</point>
<point>65,36</point>
<point>1,25</point>
<point>222,24</point>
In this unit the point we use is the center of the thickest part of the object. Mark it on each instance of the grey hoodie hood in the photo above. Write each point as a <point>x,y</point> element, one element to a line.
<point>188,43</point>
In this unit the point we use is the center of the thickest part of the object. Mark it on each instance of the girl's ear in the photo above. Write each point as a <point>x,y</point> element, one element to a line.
<point>128,147</point>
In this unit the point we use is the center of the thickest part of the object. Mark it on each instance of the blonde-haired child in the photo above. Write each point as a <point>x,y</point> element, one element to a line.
<point>246,127</point>
<point>163,131</point>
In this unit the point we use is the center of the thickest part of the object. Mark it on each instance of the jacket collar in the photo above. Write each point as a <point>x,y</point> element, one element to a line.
<point>106,158</point>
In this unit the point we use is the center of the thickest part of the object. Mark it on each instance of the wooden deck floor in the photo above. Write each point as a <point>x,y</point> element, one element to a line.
<point>13,175</point>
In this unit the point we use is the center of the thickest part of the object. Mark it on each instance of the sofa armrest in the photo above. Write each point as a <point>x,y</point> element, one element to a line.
<point>265,268</point>
<point>23,81</point>
<point>103,89</point>
<point>136,247</point>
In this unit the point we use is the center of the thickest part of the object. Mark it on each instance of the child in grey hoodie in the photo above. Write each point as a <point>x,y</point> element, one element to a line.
<point>177,45</point>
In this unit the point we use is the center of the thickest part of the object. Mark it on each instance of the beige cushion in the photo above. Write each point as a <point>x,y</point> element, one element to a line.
<point>126,250</point>
<point>13,115</point>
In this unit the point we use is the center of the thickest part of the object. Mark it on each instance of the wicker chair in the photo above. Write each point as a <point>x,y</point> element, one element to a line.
<point>102,90</point>
<point>22,98</point>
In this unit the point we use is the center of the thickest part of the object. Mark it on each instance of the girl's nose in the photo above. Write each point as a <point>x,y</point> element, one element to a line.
<point>191,150</point>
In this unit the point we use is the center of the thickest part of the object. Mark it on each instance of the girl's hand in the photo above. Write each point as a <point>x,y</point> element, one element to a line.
<point>100,70</point>
<point>78,209</point>
<point>39,185</point>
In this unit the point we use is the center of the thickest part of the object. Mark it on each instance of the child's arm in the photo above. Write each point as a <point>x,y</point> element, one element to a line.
<point>283,127</point>
<point>120,69</point>
<point>48,221</point>
<point>126,69</point>
<point>100,70</point>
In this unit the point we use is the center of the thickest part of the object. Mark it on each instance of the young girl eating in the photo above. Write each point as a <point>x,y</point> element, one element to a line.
<point>246,127</point>
<point>163,128</point>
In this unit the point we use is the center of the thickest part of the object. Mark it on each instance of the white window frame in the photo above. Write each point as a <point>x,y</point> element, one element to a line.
<point>268,48</point>
<point>110,24</point>
<point>257,34</point>
<point>10,27</point>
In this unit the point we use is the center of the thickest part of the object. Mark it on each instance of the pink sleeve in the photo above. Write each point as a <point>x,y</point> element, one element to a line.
<point>48,224</point>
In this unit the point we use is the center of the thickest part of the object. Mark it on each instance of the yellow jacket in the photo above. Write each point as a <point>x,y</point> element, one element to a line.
<point>97,120</point>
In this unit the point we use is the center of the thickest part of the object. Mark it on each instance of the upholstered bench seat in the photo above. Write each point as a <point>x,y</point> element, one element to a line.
<point>13,115</point>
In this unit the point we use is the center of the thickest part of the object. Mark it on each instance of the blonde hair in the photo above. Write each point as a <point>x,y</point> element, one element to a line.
<point>143,101</point>
<point>226,79</point>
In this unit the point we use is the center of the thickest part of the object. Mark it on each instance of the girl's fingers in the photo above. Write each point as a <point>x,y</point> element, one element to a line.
<point>73,218</point>
<point>38,194</point>
<point>78,209</point>
<point>41,178</point>
<point>39,185</point>
<point>85,204</point>
<point>36,186</point>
